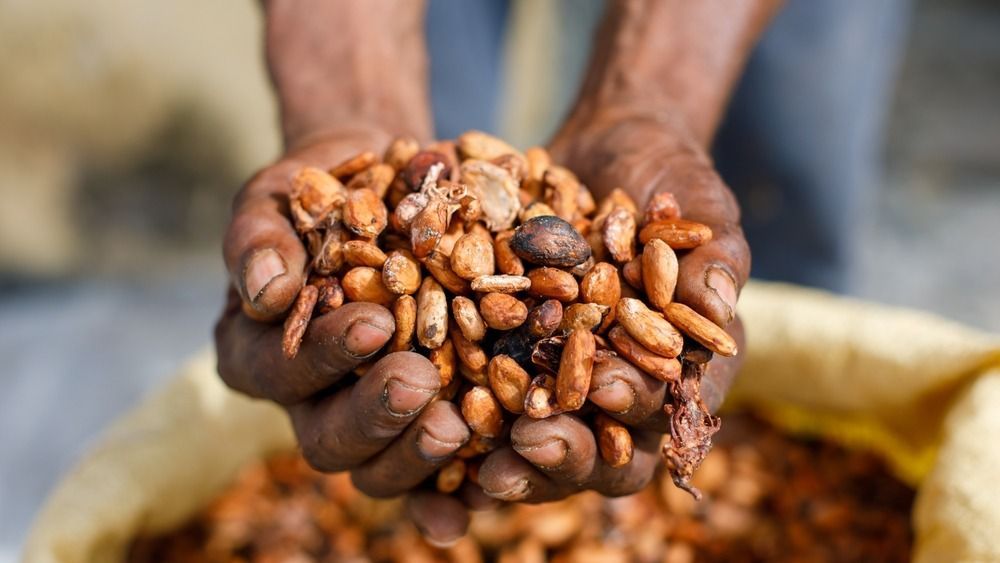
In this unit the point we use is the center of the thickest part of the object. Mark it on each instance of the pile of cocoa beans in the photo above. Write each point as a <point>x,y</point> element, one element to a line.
<point>501,268</point>
<point>769,497</point>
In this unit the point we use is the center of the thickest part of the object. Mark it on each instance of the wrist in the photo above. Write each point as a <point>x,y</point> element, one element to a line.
<point>340,65</point>
<point>672,56</point>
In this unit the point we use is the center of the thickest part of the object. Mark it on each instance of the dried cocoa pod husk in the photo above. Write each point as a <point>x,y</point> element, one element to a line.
<point>376,178</point>
<point>584,316</point>
<point>550,241</point>
<point>613,441</point>
<point>660,367</point>
<point>353,165</point>
<point>404,312</point>
<point>632,272</point>
<point>364,284</point>
<point>432,314</point>
<point>575,369</point>
<point>331,295</point>
<point>502,311</point>
<point>406,210</point>
<point>538,161</point>
<point>415,171</point>
<point>329,257</point>
<point>500,284</point>
<point>298,320</point>
<point>548,352</point>
<point>496,190</point>
<point>659,273</point>
<point>507,261</point>
<point>443,358</point>
<point>544,319</point>
<point>400,151</point>
<point>661,207</point>
<point>468,319</point>
<point>439,265</point>
<point>471,356</point>
<point>602,285</point>
<point>561,191</point>
<point>363,253</point>
<point>553,283</point>
<point>313,195</point>
<point>483,146</point>
<point>535,209</point>
<point>680,234</point>
<point>401,273</point>
<point>365,214</point>
<point>619,234</point>
<point>649,328</point>
<point>481,412</point>
<point>540,400</point>
<point>509,382</point>
<point>450,477</point>
<point>702,330</point>
<point>472,256</point>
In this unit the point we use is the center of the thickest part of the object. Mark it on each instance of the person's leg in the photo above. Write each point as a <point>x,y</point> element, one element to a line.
<point>465,43</point>
<point>801,143</point>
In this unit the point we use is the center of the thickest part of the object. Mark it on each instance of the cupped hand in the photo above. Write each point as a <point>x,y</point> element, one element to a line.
<point>644,152</point>
<point>386,428</point>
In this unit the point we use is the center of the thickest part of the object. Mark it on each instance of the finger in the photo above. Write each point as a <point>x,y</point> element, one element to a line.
<point>562,447</point>
<point>251,359</point>
<point>427,444</point>
<point>441,519</point>
<point>721,371</point>
<point>263,253</point>
<point>345,429</point>
<point>634,475</point>
<point>628,394</point>
<point>711,275</point>
<point>507,476</point>
<point>476,499</point>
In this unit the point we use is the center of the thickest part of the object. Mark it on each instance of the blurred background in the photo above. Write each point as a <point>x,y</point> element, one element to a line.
<point>126,128</point>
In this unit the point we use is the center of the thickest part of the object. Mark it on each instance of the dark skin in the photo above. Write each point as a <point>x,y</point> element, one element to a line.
<point>655,90</point>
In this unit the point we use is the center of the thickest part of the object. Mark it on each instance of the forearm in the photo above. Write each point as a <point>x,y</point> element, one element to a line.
<point>345,65</point>
<point>679,54</point>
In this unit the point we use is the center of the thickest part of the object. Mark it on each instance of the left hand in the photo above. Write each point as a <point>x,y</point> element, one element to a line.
<point>644,152</point>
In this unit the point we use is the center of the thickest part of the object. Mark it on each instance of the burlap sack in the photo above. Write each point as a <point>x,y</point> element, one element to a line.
<point>923,391</point>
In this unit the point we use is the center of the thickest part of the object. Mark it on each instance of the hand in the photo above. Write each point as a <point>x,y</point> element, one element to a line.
<point>385,428</point>
<point>644,152</point>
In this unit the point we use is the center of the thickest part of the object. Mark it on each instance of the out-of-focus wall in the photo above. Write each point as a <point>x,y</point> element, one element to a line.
<point>113,108</point>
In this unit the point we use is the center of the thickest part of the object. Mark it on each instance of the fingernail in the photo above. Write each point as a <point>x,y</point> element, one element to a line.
<point>615,397</point>
<point>441,543</point>
<point>264,266</point>
<point>549,455</point>
<point>520,490</point>
<point>433,448</point>
<point>401,399</point>
<point>723,284</point>
<point>364,339</point>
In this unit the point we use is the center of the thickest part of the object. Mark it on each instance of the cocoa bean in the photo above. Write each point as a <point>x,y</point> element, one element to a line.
<point>550,241</point>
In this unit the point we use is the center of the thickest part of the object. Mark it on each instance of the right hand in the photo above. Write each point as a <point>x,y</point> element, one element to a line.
<point>385,428</point>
